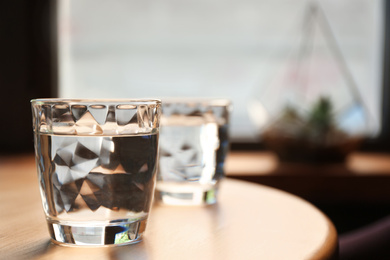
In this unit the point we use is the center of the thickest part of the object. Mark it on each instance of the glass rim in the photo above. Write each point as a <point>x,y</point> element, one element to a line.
<point>95,100</point>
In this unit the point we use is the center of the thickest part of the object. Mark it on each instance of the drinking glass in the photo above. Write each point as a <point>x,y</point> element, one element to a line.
<point>193,146</point>
<point>96,162</point>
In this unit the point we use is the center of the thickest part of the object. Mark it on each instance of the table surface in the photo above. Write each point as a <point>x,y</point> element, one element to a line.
<point>250,221</point>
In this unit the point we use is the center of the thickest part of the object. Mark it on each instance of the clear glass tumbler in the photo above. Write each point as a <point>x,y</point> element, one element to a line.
<point>96,162</point>
<point>193,146</point>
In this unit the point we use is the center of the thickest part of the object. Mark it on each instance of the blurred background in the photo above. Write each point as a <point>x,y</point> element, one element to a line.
<point>296,71</point>
<point>248,51</point>
<point>232,49</point>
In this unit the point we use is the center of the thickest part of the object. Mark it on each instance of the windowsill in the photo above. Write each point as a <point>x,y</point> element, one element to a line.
<point>255,163</point>
<point>364,178</point>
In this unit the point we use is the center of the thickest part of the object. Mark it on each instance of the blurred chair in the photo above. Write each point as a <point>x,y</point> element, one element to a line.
<point>369,242</point>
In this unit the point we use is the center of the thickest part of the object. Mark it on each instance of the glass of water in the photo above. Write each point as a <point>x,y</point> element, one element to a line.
<point>193,146</point>
<point>96,162</point>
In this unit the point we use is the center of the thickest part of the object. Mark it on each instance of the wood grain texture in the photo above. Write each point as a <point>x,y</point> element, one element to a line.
<point>250,221</point>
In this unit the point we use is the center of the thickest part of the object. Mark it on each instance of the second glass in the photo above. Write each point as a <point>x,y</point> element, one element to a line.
<point>193,146</point>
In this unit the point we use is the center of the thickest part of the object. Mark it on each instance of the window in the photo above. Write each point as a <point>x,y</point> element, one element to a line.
<point>232,49</point>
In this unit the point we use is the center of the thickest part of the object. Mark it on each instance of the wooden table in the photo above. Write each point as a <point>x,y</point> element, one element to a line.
<point>250,221</point>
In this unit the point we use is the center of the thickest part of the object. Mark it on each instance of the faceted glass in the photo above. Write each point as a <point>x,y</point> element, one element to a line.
<point>96,162</point>
<point>193,146</point>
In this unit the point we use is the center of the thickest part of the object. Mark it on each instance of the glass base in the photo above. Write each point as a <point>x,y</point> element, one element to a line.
<point>108,234</point>
<point>192,197</point>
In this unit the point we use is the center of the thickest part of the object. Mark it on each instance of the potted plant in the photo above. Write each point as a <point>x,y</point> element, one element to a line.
<point>312,137</point>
